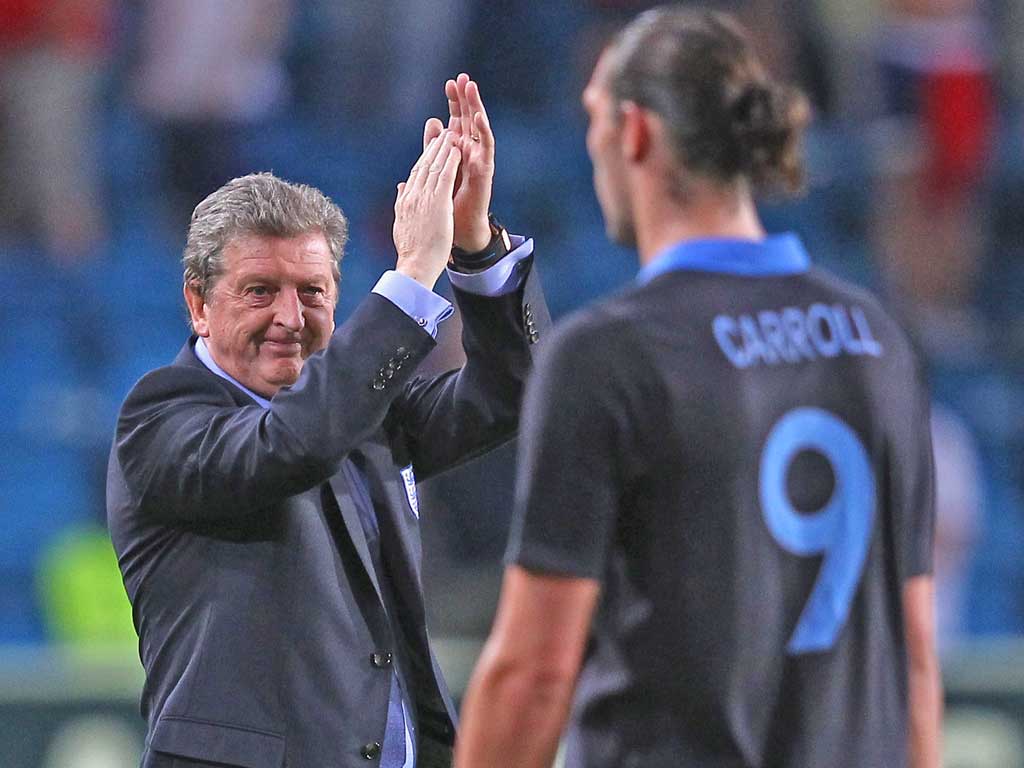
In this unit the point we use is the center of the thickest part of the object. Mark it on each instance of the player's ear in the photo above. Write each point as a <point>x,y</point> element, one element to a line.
<point>636,134</point>
<point>196,308</point>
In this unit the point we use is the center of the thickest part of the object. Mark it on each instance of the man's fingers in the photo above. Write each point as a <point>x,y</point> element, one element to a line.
<point>418,165</point>
<point>431,128</point>
<point>451,90</point>
<point>419,168</point>
<point>440,155</point>
<point>482,128</point>
<point>478,111</point>
<point>465,114</point>
<point>446,179</point>
<point>475,101</point>
<point>430,159</point>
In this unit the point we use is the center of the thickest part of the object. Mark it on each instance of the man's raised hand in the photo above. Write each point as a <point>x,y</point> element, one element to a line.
<point>468,122</point>
<point>423,228</point>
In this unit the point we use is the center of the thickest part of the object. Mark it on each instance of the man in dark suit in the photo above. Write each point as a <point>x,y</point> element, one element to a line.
<point>261,491</point>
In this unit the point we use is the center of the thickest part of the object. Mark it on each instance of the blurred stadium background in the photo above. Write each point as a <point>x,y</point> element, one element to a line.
<point>116,117</point>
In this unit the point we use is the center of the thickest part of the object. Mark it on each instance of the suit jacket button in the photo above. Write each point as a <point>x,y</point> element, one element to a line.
<point>378,383</point>
<point>371,751</point>
<point>381,659</point>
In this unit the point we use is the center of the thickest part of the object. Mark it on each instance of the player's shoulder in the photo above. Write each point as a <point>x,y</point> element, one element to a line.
<point>597,346</point>
<point>831,282</point>
<point>880,317</point>
<point>596,355</point>
<point>609,322</point>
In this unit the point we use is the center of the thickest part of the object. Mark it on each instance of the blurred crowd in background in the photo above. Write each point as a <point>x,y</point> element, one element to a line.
<point>117,117</point>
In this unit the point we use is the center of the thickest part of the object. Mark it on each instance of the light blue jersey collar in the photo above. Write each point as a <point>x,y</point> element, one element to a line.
<point>774,256</point>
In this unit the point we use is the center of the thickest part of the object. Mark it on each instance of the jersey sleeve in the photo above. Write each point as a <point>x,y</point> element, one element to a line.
<point>575,426</point>
<point>914,479</point>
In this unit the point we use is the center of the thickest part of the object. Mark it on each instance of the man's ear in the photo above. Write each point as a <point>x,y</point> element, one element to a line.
<point>196,308</point>
<point>636,131</point>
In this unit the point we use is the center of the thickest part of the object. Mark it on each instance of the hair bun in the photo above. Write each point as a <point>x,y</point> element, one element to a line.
<point>752,111</point>
<point>727,119</point>
<point>765,121</point>
<point>756,123</point>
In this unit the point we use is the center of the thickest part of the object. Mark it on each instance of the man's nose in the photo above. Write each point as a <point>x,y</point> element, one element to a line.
<point>288,311</point>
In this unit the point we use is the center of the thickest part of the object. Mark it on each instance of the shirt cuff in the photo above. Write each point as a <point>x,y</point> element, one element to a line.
<point>499,279</point>
<point>424,306</point>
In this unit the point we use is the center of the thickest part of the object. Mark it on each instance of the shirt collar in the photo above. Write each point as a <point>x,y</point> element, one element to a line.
<point>203,353</point>
<point>775,255</point>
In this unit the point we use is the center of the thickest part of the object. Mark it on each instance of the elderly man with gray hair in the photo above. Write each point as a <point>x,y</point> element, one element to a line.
<point>261,492</point>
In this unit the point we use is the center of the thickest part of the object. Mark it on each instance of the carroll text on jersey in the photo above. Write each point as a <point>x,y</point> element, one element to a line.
<point>792,334</point>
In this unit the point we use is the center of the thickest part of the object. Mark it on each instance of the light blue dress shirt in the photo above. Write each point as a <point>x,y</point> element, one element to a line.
<point>428,310</point>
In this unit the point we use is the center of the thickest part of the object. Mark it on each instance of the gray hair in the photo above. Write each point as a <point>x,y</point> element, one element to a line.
<point>257,204</point>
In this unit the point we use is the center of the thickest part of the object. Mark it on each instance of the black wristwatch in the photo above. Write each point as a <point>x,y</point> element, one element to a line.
<point>498,248</point>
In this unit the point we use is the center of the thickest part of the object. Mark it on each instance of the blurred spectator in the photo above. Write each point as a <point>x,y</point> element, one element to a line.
<point>53,54</point>
<point>80,588</point>
<point>938,139</point>
<point>929,249</point>
<point>958,495</point>
<point>94,741</point>
<point>849,30</point>
<point>206,72</point>
<point>1012,38</point>
<point>381,64</point>
<point>937,70</point>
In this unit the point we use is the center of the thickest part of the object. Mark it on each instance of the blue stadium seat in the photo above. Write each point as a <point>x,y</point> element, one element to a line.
<point>22,619</point>
<point>43,488</point>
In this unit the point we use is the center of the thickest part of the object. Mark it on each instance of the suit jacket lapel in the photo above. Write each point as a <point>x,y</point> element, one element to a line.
<point>350,515</point>
<point>342,493</point>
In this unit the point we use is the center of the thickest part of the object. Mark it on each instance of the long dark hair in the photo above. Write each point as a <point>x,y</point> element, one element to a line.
<point>726,118</point>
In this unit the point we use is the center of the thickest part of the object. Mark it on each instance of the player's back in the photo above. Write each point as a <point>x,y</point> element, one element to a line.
<point>769,472</point>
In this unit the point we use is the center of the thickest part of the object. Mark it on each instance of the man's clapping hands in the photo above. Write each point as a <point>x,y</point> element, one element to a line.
<point>446,199</point>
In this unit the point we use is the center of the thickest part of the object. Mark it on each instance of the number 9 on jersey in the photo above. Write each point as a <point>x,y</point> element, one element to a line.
<point>841,529</point>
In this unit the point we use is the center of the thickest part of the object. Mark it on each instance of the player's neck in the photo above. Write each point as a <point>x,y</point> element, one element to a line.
<point>663,222</point>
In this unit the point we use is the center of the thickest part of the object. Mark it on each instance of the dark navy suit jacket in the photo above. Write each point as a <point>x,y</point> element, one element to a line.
<point>261,625</point>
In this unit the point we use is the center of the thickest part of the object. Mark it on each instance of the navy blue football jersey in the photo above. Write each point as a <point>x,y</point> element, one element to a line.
<point>737,448</point>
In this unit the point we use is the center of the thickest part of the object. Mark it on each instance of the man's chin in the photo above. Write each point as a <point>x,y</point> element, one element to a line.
<point>282,373</point>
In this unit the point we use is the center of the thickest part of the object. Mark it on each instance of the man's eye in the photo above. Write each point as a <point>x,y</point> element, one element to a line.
<point>314,293</point>
<point>258,290</point>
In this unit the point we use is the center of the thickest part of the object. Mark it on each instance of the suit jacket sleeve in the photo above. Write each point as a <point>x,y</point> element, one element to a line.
<point>454,417</point>
<point>189,452</point>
